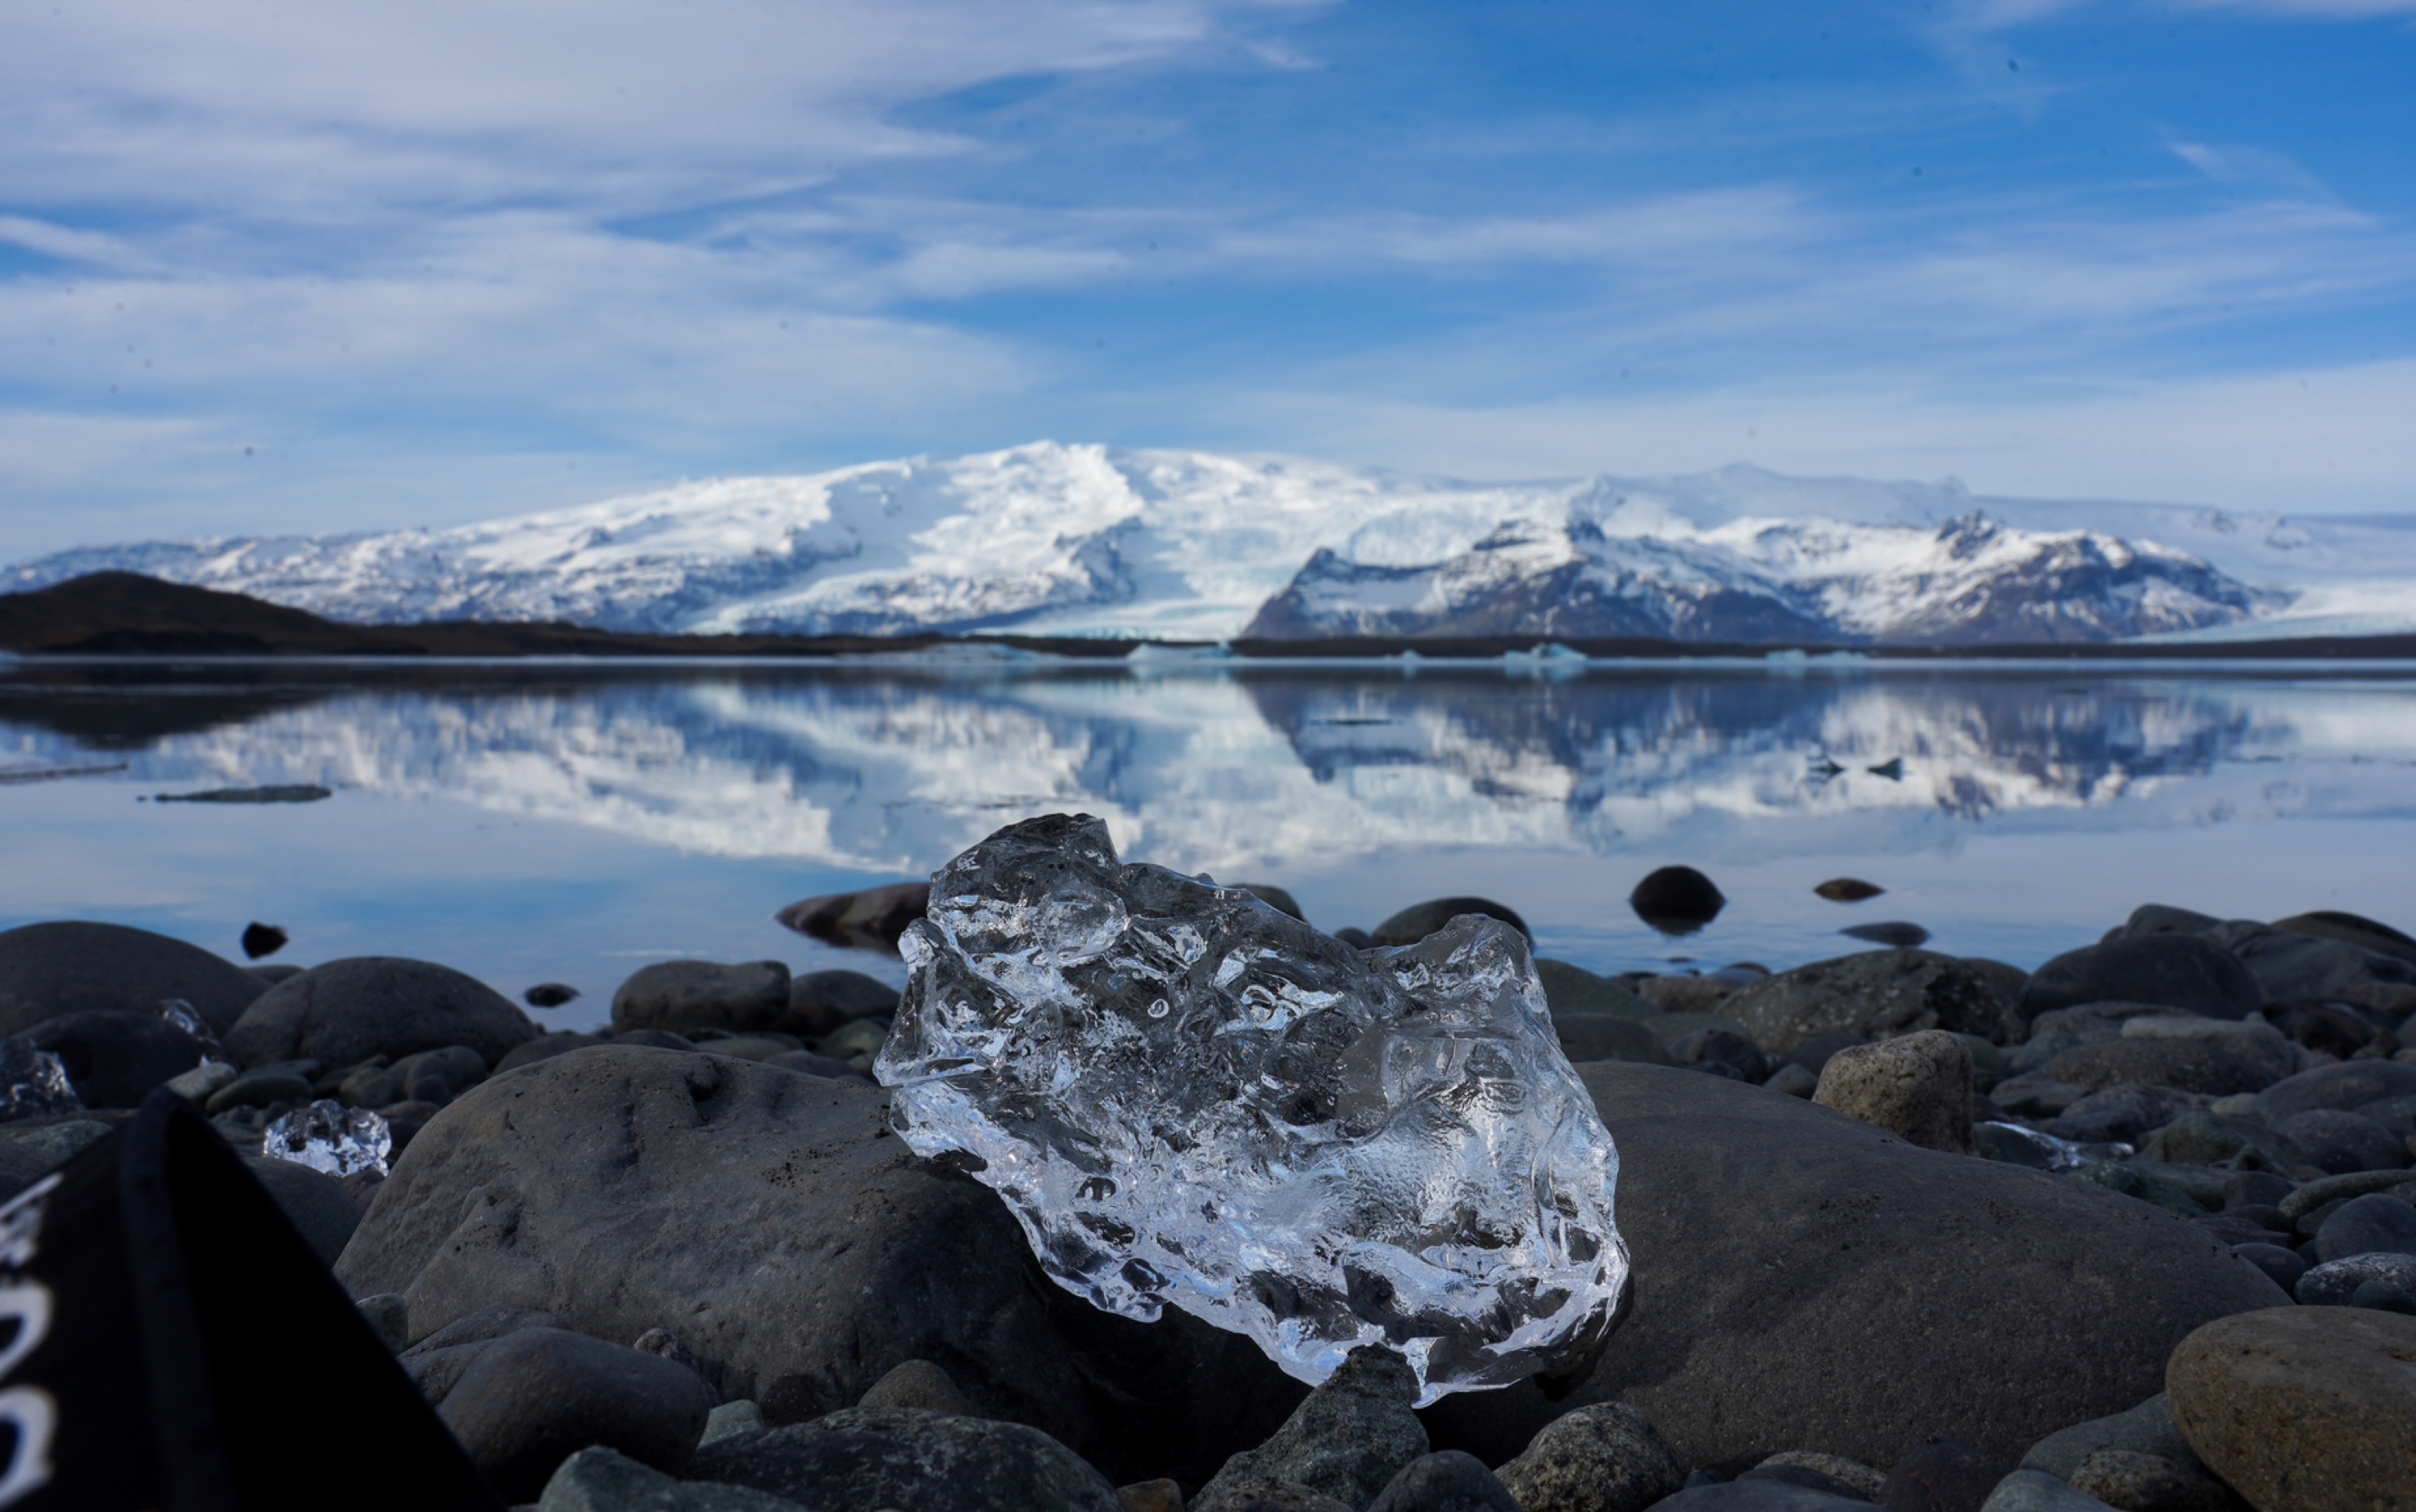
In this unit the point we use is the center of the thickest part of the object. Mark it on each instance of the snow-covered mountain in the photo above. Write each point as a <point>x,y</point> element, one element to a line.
<point>1090,540</point>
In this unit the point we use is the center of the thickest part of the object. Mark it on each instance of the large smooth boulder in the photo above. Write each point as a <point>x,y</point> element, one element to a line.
<point>345,1012</point>
<point>1800,1278</point>
<point>2172,970</point>
<point>1873,995</point>
<point>2304,1409</point>
<point>2292,967</point>
<point>772,1222</point>
<point>73,966</point>
<point>115,1059</point>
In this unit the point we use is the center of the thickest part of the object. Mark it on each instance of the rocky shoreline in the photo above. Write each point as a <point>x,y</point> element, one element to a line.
<point>2136,1230</point>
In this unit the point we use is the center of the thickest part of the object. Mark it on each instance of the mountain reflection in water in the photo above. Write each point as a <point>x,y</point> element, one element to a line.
<point>1327,776</point>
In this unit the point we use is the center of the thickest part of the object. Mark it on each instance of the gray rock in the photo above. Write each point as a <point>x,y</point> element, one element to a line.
<point>871,918</point>
<point>435,1362</point>
<point>389,1316</point>
<point>2183,971</point>
<point>2302,1409</point>
<point>1351,1435</point>
<point>2194,1064</point>
<point>2036,1096</point>
<point>1264,1495</point>
<point>196,1086</point>
<point>814,1063</point>
<point>1778,1250</point>
<point>316,1203</point>
<point>548,1045</point>
<point>731,1420</point>
<point>2147,1428</point>
<point>2206,1138</point>
<point>1873,994</point>
<point>1601,1458</point>
<point>2283,1265</point>
<point>796,1246</point>
<point>1792,1080</point>
<point>1917,1088</point>
<point>2376,1223</point>
<point>369,1087</point>
<point>2149,1483</point>
<point>2123,1113</point>
<point>2297,1203</point>
<point>1855,1477</point>
<point>2348,1085</point>
<point>258,1089</point>
<point>1446,1482</point>
<point>1677,900</point>
<point>764,1046</point>
<point>680,996</point>
<point>537,1395</point>
<point>115,1057</point>
<point>1756,1496</point>
<point>862,1457</point>
<point>1722,1052</point>
<point>2397,1115</point>
<point>916,1384</point>
<point>2341,1142</point>
<point>346,1011</point>
<point>461,1066</point>
<point>1420,919</point>
<point>2332,1283</point>
<point>600,1480</point>
<point>76,967</point>
<point>1572,990</point>
<point>2292,967</point>
<point>821,1001</point>
<point>2036,1490</point>
<point>1943,1475</point>
<point>2331,925</point>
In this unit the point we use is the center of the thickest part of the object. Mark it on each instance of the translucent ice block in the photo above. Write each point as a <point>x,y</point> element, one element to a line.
<point>1186,1096</point>
<point>328,1136</point>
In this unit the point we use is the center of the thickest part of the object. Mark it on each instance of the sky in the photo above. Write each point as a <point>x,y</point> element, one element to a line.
<point>269,265</point>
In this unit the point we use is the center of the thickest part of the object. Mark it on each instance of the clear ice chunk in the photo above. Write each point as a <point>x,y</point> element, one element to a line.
<point>184,1016</point>
<point>33,1083</point>
<point>2065,1154</point>
<point>328,1136</point>
<point>1186,1096</point>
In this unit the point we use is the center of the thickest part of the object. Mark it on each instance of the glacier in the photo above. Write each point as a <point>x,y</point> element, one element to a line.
<point>1090,540</point>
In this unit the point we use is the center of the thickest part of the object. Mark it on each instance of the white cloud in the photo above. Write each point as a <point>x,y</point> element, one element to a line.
<point>2314,442</point>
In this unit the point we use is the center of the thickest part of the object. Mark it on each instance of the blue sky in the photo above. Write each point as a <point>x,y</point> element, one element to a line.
<point>268,266</point>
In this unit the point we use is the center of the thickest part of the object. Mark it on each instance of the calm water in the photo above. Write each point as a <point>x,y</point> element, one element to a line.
<point>530,823</point>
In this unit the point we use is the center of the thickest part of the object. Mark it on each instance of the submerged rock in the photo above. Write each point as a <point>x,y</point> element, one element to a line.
<point>1189,1097</point>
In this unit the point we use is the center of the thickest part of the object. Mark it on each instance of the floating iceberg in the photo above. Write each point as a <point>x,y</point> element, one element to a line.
<point>1186,1096</point>
<point>328,1136</point>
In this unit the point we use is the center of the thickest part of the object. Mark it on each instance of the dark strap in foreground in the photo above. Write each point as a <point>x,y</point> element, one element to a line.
<point>168,1341</point>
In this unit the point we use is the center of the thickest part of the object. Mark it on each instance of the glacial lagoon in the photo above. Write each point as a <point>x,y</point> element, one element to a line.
<point>569,822</point>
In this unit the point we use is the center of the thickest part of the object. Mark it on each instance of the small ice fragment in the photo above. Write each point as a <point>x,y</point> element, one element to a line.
<point>2065,1154</point>
<point>1188,1097</point>
<point>33,1083</point>
<point>183,1015</point>
<point>328,1136</point>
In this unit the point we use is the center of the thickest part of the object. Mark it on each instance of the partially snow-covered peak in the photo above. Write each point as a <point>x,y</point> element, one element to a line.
<point>1061,539</point>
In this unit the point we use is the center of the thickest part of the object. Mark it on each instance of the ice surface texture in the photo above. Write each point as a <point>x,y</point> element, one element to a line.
<point>328,1136</point>
<point>1186,1096</point>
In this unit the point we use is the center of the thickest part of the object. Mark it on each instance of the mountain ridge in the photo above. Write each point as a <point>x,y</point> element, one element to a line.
<point>1089,540</point>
